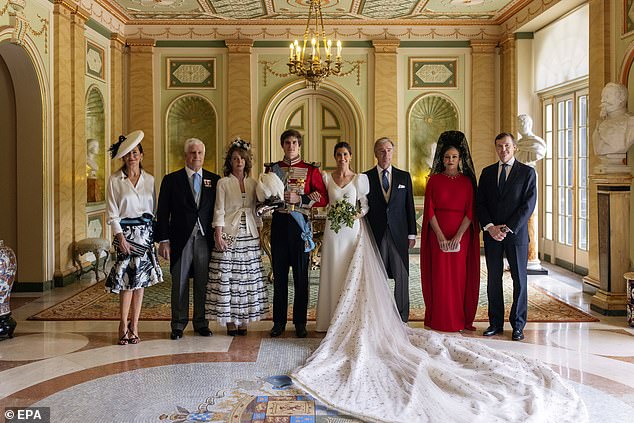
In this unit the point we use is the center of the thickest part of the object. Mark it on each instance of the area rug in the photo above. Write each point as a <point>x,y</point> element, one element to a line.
<point>94,303</point>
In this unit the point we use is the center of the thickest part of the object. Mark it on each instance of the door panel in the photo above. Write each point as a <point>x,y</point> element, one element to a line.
<point>321,120</point>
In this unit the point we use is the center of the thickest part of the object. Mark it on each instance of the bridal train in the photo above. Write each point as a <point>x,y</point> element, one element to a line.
<point>372,366</point>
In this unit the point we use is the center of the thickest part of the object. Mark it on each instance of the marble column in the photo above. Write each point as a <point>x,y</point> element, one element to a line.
<point>69,61</point>
<point>483,128</point>
<point>78,59</point>
<point>385,95</point>
<point>508,85</point>
<point>239,119</point>
<point>117,51</point>
<point>613,227</point>
<point>141,96</point>
<point>600,59</point>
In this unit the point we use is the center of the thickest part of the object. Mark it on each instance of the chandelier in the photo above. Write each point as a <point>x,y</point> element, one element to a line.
<point>316,63</point>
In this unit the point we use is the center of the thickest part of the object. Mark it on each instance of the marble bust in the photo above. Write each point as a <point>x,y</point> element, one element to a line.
<point>614,133</point>
<point>92,150</point>
<point>530,147</point>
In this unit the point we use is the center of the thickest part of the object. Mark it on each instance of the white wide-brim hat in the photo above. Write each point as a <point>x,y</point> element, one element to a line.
<point>131,140</point>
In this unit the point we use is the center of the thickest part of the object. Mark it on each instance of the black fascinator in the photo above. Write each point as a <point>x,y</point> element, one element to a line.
<point>114,148</point>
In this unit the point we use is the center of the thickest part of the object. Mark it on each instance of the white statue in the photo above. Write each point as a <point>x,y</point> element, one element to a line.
<point>92,150</point>
<point>614,133</point>
<point>530,147</point>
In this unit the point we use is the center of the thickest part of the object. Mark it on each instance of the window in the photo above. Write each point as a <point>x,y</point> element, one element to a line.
<point>564,177</point>
<point>582,171</point>
<point>548,170</point>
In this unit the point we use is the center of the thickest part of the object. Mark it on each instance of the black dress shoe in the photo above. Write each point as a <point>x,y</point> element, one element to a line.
<point>176,334</point>
<point>277,330</point>
<point>518,335</point>
<point>204,332</point>
<point>300,331</point>
<point>492,330</point>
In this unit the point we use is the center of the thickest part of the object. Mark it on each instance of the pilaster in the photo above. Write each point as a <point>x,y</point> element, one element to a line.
<point>508,85</point>
<point>600,59</point>
<point>141,96</point>
<point>117,50</point>
<point>385,92</point>
<point>78,83</point>
<point>239,118</point>
<point>63,135</point>
<point>483,128</point>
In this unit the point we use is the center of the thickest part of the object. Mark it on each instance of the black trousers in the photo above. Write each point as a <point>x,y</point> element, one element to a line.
<point>517,256</point>
<point>287,249</point>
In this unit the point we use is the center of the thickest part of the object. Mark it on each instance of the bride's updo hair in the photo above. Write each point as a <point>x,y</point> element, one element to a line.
<point>342,144</point>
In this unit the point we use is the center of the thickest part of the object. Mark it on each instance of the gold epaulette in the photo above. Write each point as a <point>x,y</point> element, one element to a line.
<point>315,164</point>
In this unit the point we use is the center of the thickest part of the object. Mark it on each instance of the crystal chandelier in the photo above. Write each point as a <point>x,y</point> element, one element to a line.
<point>309,64</point>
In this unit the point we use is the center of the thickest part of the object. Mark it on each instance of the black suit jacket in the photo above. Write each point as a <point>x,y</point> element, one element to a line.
<point>177,212</point>
<point>398,214</point>
<point>513,206</point>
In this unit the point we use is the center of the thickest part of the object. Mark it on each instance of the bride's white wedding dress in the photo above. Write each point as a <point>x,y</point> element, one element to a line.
<point>372,366</point>
<point>341,246</point>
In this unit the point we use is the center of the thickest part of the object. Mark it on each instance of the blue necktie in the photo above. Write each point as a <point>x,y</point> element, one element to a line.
<point>502,179</point>
<point>196,183</point>
<point>384,181</point>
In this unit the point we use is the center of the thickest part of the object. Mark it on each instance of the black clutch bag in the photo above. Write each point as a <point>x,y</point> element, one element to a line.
<point>136,249</point>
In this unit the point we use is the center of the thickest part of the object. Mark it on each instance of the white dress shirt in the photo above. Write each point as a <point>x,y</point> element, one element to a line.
<point>123,200</point>
<point>190,179</point>
<point>379,169</point>
<point>510,164</point>
<point>230,206</point>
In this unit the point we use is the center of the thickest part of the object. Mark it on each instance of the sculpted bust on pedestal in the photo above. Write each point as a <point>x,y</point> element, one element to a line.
<point>92,150</point>
<point>530,147</point>
<point>614,134</point>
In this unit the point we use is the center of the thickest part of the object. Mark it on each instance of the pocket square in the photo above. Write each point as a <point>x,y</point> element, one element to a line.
<point>207,183</point>
<point>400,186</point>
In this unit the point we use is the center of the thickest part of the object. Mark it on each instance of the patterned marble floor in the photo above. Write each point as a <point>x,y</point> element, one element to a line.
<point>74,368</point>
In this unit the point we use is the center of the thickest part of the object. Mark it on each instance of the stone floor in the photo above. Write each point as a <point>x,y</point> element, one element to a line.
<point>75,368</point>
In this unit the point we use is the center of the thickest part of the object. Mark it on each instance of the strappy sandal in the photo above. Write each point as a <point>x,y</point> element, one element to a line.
<point>124,340</point>
<point>133,338</point>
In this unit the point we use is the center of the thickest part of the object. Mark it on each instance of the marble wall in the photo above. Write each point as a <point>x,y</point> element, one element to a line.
<point>250,78</point>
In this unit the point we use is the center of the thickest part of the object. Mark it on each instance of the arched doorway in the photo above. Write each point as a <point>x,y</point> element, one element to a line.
<point>24,224</point>
<point>324,117</point>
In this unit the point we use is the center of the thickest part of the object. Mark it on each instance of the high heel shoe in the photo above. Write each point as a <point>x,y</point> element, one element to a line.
<point>133,338</point>
<point>242,331</point>
<point>124,340</point>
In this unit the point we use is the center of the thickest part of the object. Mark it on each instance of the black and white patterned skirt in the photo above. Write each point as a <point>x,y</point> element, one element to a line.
<point>141,268</point>
<point>236,291</point>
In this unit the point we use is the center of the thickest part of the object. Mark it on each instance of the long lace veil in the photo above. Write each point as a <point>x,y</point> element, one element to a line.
<point>457,140</point>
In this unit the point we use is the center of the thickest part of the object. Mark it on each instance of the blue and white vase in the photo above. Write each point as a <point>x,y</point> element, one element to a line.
<point>8,267</point>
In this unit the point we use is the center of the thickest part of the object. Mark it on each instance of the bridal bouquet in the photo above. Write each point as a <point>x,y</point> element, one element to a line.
<point>341,213</point>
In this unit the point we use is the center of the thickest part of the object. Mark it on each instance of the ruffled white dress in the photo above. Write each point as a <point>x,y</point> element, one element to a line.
<point>373,366</point>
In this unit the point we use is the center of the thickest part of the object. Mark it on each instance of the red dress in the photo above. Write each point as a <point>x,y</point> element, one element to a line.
<point>450,281</point>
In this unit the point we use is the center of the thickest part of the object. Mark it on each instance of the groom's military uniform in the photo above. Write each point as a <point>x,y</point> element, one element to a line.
<point>289,237</point>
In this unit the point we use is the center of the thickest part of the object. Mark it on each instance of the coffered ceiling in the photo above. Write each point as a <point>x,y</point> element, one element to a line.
<point>345,11</point>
